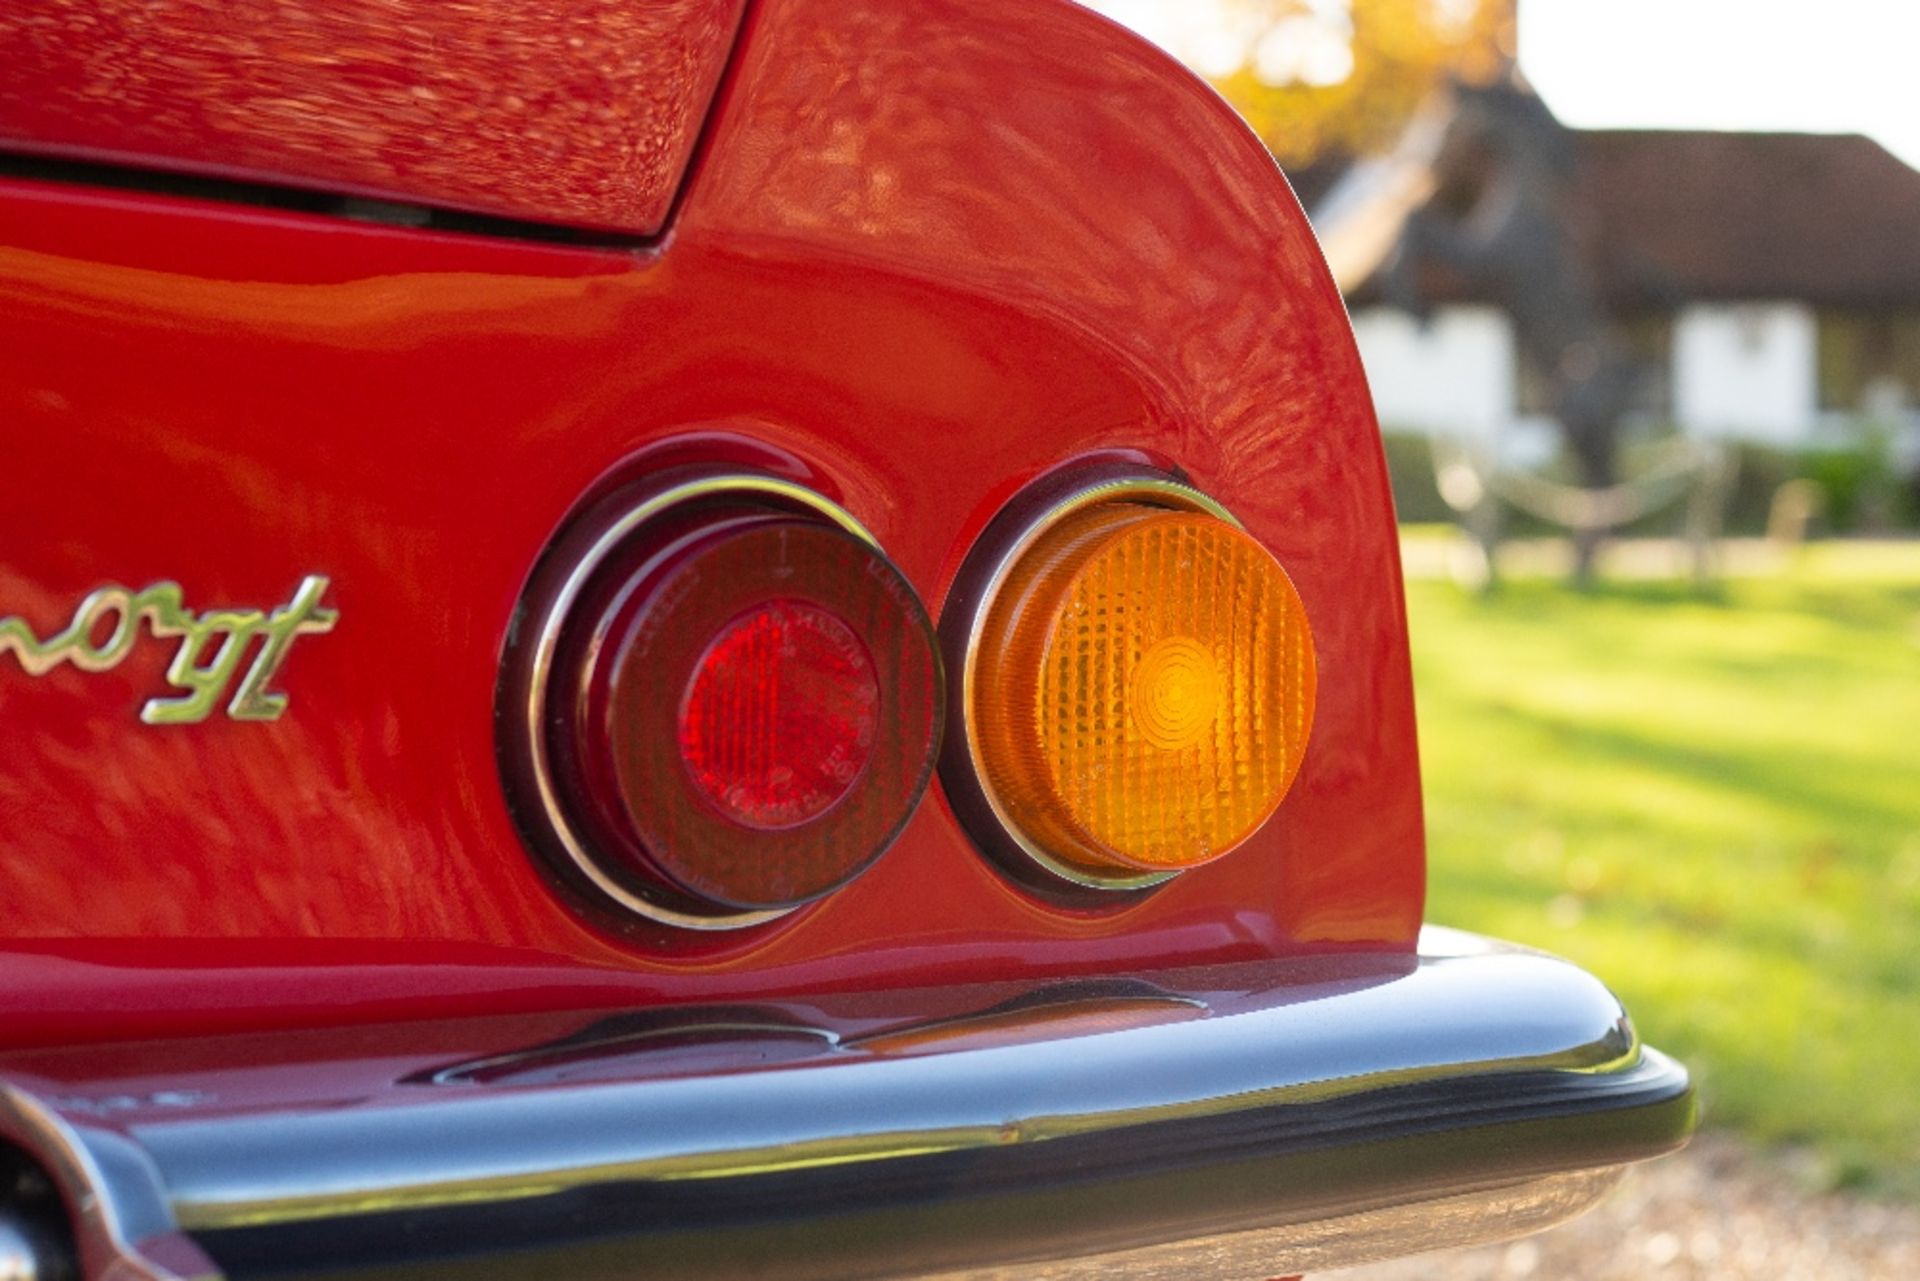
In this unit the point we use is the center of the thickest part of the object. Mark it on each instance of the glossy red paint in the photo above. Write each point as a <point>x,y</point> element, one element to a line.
<point>583,113</point>
<point>342,1067</point>
<point>933,251</point>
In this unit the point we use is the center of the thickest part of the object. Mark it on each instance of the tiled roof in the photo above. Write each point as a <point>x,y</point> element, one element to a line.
<point>1825,217</point>
<point>1669,215</point>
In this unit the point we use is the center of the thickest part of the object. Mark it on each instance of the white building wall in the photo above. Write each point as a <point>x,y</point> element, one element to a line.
<point>1747,370</point>
<point>1453,375</point>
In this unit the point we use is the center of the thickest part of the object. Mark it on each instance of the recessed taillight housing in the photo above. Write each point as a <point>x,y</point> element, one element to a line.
<point>1137,684</point>
<point>728,703</point>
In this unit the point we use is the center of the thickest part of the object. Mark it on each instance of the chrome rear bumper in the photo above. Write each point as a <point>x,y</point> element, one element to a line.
<point>1250,1121</point>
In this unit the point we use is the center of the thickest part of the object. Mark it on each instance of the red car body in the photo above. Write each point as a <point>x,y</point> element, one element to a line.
<point>382,294</point>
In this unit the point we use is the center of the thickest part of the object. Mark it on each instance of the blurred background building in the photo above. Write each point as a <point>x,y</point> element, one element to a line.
<point>1568,311</point>
<point>1768,283</point>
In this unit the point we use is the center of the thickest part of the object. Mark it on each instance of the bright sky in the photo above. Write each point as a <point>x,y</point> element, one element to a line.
<point>1822,66</point>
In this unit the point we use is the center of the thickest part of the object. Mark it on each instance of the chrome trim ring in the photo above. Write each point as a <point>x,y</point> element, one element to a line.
<point>565,832</point>
<point>1156,490</point>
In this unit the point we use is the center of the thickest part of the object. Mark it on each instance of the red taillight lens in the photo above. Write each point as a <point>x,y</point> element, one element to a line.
<point>739,711</point>
<point>780,718</point>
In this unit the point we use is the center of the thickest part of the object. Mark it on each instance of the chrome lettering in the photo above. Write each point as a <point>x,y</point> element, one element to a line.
<point>212,646</point>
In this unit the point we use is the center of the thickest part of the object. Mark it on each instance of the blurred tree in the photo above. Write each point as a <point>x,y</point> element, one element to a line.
<point>1330,76</point>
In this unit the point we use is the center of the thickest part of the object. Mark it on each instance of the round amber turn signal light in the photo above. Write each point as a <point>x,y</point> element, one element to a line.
<point>1141,690</point>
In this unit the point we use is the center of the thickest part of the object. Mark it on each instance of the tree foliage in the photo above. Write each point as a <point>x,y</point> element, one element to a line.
<point>1327,76</point>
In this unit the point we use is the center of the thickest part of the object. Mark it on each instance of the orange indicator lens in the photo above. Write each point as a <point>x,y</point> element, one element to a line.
<point>1142,690</point>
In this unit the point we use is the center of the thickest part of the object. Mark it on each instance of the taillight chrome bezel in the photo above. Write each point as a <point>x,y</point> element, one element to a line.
<point>963,770</point>
<point>525,696</point>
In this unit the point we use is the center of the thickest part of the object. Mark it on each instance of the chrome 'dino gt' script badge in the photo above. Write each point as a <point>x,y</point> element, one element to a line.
<point>89,646</point>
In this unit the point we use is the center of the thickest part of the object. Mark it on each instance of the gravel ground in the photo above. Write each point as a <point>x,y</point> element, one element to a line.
<point>1715,1212</point>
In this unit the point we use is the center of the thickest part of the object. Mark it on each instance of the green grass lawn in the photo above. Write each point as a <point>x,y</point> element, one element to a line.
<point>1714,803</point>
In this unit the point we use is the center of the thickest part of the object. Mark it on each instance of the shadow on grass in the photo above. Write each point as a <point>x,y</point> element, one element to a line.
<point>1878,955</point>
<point>1839,602</point>
<point>1780,780</point>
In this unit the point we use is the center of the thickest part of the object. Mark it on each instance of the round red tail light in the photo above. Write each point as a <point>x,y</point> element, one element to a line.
<point>779,720</point>
<point>733,706</point>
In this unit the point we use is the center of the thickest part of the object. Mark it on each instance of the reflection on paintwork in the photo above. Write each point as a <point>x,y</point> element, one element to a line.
<point>922,262</point>
<point>1134,212</point>
<point>1090,1007</point>
<point>702,1040</point>
<point>584,113</point>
